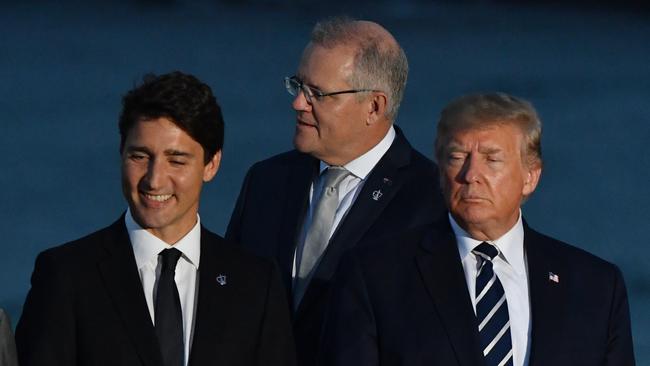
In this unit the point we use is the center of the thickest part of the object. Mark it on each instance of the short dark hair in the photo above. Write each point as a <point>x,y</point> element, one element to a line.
<point>184,100</point>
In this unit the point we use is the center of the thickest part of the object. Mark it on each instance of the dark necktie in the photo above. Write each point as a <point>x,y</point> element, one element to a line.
<point>492,310</point>
<point>169,316</point>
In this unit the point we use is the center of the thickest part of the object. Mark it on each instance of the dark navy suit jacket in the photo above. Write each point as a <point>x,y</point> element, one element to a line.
<point>87,307</point>
<point>273,201</point>
<point>406,302</point>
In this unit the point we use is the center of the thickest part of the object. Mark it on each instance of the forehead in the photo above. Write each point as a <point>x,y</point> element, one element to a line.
<point>159,132</point>
<point>502,136</point>
<point>324,63</point>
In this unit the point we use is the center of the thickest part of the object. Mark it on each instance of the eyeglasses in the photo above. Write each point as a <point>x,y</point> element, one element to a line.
<point>295,85</point>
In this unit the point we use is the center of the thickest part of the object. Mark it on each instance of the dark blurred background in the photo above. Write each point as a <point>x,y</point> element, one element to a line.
<point>64,66</point>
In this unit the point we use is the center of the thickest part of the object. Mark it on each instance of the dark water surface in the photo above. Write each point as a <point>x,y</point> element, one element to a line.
<point>64,67</point>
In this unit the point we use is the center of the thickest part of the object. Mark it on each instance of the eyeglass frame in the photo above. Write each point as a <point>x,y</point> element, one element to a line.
<point>310,91</point>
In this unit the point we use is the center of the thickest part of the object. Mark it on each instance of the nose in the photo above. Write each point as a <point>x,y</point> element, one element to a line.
<point>472,170</point>
<point>153,179</point>
<point>300,102</point>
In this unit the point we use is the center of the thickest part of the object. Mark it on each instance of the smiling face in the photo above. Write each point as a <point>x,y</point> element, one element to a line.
<point>485,180</point>
<point>163,171</point>
<point>333,129</point>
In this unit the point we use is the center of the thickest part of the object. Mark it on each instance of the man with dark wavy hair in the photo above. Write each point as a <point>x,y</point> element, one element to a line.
<point>156,288</point>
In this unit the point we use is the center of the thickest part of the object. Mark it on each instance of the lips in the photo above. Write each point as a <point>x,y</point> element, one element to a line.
<point>303,123</point>
<point>158,197</point>
<point>155,200</point>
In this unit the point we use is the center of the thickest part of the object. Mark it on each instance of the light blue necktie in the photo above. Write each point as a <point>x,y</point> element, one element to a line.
<point>319,230</point>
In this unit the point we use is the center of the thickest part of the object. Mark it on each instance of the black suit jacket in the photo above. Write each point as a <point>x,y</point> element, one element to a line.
<point>406,302</point>
<point>271,207</point>
<point>87,307</point>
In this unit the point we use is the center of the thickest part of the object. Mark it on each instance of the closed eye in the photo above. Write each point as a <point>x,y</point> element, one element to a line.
<point>137,157</point>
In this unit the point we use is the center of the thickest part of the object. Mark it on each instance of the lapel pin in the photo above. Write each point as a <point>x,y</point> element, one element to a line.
<point>376,195</point>
<point>388,182</point>
<point>221,279</point>
<point>553,277</point>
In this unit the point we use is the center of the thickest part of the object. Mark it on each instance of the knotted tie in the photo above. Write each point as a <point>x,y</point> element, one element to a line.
<point>492,310</point>
<point>319,231</point>
<point>169,316</point>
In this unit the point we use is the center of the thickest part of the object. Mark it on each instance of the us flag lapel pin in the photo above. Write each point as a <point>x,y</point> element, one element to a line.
<point>553,277</point>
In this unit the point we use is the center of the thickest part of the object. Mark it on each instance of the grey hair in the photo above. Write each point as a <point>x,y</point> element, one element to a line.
<point>479,111</point>
<point>378,65</point>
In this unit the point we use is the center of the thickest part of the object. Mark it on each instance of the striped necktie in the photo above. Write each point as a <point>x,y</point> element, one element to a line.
<point>492,310</point>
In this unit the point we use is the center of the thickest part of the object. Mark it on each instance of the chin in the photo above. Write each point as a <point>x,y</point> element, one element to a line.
<point>301,144</point>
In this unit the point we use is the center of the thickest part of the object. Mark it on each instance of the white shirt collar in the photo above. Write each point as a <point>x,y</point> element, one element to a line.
<point>510,244</point>
<point>147,246</point>
<point>363,165</point>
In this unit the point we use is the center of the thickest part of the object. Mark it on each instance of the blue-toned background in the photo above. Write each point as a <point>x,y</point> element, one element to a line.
<point>64,67</point>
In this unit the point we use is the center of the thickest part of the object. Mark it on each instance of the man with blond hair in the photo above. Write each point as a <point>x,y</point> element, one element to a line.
<point>480,287</point>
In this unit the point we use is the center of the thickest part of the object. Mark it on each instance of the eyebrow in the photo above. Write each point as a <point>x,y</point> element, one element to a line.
<point>490,150</point>
<point>138,149</point>
<point>452,147</point>
<point>313,86</point>
<point>168,152</point>
<point>172,152</point>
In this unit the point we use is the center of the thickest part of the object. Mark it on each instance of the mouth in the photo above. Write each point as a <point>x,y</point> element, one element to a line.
<point>301,123</point>
<point>156,200</point>
<point>473,199</point>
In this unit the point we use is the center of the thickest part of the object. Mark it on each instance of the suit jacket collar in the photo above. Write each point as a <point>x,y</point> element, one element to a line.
<point>120,275</point>
<point>375,195</point>
<point>442,274</point>
<point>213,307</point>
<point>547,297</point>
<point>303,172</point>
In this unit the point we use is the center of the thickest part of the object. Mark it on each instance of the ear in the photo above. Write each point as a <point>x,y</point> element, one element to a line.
<point>377,108</point>
<point>210,169</point>
<point>531,178</point>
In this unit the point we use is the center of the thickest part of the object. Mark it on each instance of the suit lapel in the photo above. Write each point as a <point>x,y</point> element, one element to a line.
<point>377,192</point>
<point>212,308</point>
<point>120,274</point>
<point>442,274</point>
<point>547,297</point>
<point>297,189</point>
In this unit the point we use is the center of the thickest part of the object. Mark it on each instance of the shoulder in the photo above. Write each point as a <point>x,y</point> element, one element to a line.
<point>87,247</point>
<point>411,164</point>
<point>234,255</point>
<point>391,250</point>
<point>577,259</point>
<point>286,160</point>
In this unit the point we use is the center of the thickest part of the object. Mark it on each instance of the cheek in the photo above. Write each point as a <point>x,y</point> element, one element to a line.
<point>129,176</point>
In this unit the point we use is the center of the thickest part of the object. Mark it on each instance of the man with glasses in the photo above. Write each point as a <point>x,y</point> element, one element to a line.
<point>352,177</point>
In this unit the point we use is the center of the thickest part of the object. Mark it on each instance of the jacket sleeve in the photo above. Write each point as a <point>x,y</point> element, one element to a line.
<point>276,345</point>
<point>45,334</point>
<point>619,347</point>
<point>350,333</point>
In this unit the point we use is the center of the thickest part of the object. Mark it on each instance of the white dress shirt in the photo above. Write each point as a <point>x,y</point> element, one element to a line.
<point>510,268</point>
<point>146,248</point>
<point>349,187</point>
